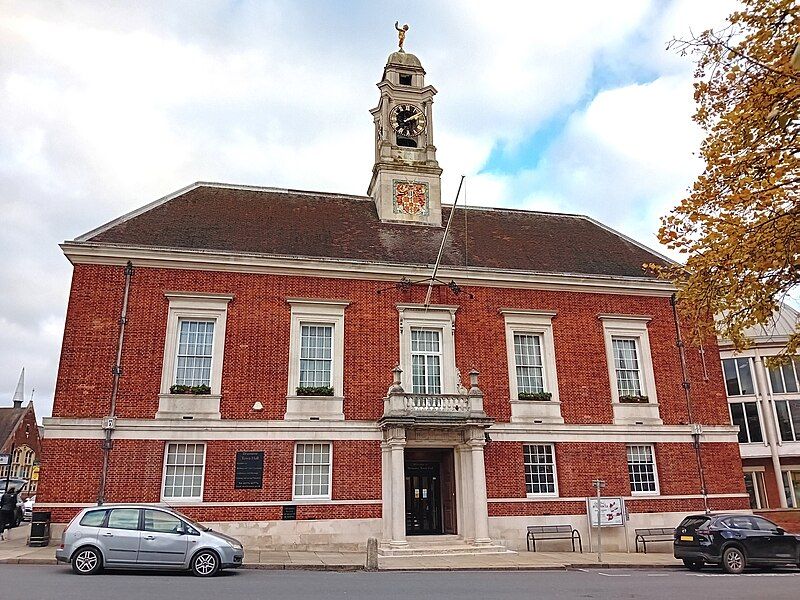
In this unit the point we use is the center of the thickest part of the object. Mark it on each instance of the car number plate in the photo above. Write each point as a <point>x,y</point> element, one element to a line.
<point>687,538</point>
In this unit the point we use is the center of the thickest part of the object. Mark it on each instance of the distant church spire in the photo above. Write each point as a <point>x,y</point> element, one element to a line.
<point>19,393</point>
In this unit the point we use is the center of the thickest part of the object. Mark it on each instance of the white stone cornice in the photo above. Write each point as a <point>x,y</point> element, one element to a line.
<point>224,429</point>
<point>79,252</point>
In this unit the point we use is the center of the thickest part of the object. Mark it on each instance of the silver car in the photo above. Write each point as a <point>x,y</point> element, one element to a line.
<point>134,536</point>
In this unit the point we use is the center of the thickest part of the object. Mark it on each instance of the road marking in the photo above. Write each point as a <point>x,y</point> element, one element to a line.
<point>612,574</point>
<point>745,575</point>
<point>658,574</point>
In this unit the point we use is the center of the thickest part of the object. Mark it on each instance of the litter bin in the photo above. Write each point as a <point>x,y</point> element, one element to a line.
<point>40,529</point>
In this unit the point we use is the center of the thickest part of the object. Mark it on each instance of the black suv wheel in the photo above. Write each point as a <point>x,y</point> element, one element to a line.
<point>733,560</point>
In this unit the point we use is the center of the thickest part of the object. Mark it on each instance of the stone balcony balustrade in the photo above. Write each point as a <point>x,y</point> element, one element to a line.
<point>401,407</point>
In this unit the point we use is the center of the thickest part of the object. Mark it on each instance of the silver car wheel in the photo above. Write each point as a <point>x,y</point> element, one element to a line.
<point>86,561</point>
<point>205,564</point>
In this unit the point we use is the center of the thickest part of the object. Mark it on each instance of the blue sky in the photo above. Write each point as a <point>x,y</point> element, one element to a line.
<point>573,106</point>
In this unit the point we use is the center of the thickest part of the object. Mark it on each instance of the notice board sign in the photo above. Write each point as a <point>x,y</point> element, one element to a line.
<point>289,512</point>
<point>612,512</point>
<point>249,470</point>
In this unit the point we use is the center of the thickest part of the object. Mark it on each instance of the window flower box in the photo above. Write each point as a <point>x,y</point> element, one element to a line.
<point>634,399</point>
<point>535,396</point>
<point>196,390</point>
<point>324,390</point>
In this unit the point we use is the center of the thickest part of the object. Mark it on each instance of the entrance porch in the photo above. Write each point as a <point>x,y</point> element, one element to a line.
<point>433,473</point>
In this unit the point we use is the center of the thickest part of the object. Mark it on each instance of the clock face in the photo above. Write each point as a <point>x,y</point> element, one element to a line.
<point>407,120</point>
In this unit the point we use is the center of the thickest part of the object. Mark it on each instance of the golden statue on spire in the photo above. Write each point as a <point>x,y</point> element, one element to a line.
<point>401,34</point>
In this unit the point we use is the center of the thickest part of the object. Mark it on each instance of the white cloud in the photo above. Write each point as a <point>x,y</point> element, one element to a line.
<point>107,106</point>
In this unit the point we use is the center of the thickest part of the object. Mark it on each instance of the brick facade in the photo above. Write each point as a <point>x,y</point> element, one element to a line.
<point>256,369</point>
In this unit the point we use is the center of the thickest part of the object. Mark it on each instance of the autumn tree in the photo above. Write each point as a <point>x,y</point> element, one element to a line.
<point>739,226</point>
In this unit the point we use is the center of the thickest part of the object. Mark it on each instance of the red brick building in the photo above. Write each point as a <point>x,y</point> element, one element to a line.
<point>262,328</point>
<point>20,444</point>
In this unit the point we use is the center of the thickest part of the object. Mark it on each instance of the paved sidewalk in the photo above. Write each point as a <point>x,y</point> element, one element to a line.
<point>15,551</point>
<point>527,561</point>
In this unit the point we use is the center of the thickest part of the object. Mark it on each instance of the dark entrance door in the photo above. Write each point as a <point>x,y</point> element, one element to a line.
<point>423,498</point>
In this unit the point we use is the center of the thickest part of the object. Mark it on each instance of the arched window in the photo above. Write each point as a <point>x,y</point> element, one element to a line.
<point>22,462</point>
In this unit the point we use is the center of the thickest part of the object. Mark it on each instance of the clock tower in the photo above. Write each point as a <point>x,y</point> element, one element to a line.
<point>406,179</point>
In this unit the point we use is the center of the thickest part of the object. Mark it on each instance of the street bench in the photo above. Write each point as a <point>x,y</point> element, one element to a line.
<point>653,534</point>
<point>553,532</point>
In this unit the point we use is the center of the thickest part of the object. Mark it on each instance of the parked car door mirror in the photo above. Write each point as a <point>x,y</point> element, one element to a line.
<point>780,530</point>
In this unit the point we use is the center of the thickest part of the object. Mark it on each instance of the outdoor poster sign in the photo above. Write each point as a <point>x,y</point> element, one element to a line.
<point>5,459</point>
<point>612,513</point>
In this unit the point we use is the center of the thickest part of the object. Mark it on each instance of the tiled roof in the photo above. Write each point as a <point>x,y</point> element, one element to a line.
<point>9,417</point>
<point>311,224</point>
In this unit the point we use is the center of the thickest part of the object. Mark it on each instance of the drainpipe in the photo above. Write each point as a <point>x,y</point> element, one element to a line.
<point>696,427</point>
<point>770,426</point>
<point>110,421</point>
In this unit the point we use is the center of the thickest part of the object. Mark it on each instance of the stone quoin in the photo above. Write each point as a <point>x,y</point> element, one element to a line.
<point>544,358</point>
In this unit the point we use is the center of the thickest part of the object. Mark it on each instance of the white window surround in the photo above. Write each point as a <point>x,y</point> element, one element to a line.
<point>554,493</point>
<point>317,312</point>
<point>441,318</point>
<point>312,499</point>
<point>174,499</point>
<point>539,322</point>
<point>195,306</point>
<point>632,327</point>
<point>657,490</point>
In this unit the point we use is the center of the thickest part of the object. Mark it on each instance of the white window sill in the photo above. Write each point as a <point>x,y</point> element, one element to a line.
<point>536,411</point>
<point>314,408</point>
<point>189,406</point>
<point>645,494</point>
<point>171,500</point>
<point>312,500</point>
<point>541,496</point>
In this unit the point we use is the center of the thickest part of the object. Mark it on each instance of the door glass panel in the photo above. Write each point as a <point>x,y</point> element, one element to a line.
<point>124,518</point>
<point>787,489</point>
<point>749,485</point>
<point>161,522</point>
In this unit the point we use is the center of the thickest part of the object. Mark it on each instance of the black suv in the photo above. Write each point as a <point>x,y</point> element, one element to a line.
<point>734,541</point>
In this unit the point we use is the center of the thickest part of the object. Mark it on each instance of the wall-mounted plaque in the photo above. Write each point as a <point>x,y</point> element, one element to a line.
<point>249,470</point>
<point>289,512</point>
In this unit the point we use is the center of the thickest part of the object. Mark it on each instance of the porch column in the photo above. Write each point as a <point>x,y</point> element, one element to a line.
<point>397,443</point>
<point>465,494</point>
<point>386,492</point>
<point>481,509</point>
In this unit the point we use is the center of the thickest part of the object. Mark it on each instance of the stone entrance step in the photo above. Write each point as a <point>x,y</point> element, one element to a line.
<point>440,545</point>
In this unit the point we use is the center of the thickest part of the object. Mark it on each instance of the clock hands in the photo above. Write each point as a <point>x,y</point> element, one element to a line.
<point>412,118</point>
